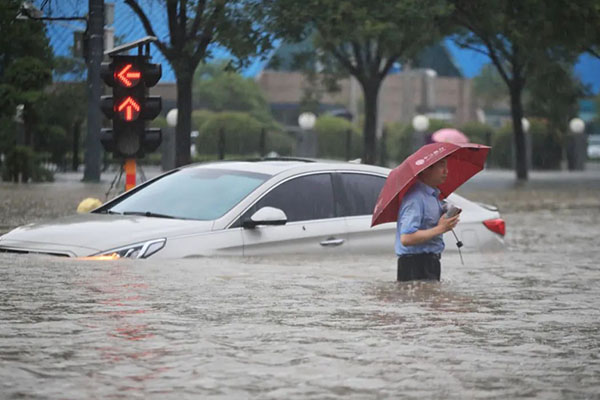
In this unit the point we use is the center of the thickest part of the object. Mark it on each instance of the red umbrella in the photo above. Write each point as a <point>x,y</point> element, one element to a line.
<point>464,161</point>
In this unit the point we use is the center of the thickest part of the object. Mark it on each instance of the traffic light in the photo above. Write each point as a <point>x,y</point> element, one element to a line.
<point>130,107</point>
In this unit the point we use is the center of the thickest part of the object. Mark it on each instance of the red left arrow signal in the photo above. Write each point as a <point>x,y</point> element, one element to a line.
<point>127,76</point>
<point>129,108</point>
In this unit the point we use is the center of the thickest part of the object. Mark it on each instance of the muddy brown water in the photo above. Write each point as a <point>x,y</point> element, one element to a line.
<point>522,323</point>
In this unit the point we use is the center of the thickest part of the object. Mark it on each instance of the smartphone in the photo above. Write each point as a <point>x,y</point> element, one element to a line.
<point>452,211</point>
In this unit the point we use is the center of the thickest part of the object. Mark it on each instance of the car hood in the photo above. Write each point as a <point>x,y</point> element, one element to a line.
<point>86,234</point>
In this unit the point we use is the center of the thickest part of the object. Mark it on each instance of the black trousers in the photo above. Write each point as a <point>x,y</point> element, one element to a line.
<point>424,266</point>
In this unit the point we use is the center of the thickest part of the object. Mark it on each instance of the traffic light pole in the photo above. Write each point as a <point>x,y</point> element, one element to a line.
<point>94,119</point>
<point>130,107</point>
<point>129,173</point>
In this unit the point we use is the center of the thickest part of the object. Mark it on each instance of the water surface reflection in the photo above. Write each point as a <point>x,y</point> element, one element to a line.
<point>522,323</point>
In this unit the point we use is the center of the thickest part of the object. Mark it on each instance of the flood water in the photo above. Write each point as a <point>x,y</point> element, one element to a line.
<point>516,324</point>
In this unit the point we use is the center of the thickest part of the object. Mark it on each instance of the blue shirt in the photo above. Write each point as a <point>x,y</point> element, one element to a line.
<point>420,209</point>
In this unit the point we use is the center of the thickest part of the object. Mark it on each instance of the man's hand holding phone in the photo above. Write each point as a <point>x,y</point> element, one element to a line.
<point>449,219</point>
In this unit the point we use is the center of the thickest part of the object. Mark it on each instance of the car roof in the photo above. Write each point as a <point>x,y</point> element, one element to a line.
<point>292,165</point>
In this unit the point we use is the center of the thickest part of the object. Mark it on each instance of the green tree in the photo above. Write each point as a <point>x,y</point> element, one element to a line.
<point>25,69</point>
<point>360,38</point>
<point>515,35</point>
<point>196,26</point>
<point>240,131</point>
<point>556,103</point>
<point>218,89</point>
<point>578,23</point>
<point>337,138</point>
<point>63,112</point>
<point>20,37</point>
<point>489,88</point>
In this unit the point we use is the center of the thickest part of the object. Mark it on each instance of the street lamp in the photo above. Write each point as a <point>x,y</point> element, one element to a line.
<point>172,118</point>
<point>576,145</point>
<point>525,124</point>
<point>576,125</point>
<point>528,148</point>
<point>168,142</point>
<point>420,124</point>
<point>306,140</point>
<point>307,120</point>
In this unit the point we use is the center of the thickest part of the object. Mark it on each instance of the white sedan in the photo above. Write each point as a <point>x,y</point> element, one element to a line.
<point>244,209</point>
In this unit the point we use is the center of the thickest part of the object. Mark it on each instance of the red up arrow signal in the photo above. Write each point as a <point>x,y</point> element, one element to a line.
<point>129,108</point>
<point>127,76</point>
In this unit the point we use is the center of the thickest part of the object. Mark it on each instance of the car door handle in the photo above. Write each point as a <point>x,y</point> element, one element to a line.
<point>332,242</point>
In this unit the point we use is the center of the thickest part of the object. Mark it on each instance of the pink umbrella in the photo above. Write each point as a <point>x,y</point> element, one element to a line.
<point>449,135</point>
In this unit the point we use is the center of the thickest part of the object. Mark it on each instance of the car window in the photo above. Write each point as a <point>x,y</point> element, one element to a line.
<point>194,193</point>
<point>304,198</point>
<point>361,192</point>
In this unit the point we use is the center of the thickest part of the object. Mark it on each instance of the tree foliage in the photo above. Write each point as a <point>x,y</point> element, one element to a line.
<point>519,37</point>
<point>489,88</point>
<point>195,28</point>
<point>218,89</point>
<point>334,134</point>
<point>25,70</point>
<point>556,103</point>
<point>577,24</point>
<point>20,37</point>
<point>360,38</point>
<point>241,133</point>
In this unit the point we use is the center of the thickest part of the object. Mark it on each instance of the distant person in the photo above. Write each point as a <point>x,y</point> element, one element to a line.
<point>421,224</point>
<point>429,138</point>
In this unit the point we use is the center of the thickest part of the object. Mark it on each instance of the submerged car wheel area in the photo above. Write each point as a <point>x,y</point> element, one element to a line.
<point>243,209</point>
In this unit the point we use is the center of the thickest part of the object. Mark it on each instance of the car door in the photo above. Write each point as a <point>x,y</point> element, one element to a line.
<point>359,195</point>
<point>313,225</point>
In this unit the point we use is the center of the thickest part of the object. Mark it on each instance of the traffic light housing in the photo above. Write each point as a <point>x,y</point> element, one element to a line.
<point>130,106</point>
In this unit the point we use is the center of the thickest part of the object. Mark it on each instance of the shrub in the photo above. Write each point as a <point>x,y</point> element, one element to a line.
<point>242,134</point>
<point>199,117</point>
<point>501,155</point>
<point>478,132</point>
<point>546,146</point>
<point>398,141</point>
<point>22,161</point>
<point>19,161</point>
<point>332,136</point>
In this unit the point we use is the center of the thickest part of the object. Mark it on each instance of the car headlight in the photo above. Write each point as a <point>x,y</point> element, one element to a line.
<point>138,250</point>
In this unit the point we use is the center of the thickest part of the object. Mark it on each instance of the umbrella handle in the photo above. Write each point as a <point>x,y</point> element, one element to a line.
<point>459,244</point>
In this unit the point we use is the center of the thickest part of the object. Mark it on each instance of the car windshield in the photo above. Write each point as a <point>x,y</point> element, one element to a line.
<point>192,193</point>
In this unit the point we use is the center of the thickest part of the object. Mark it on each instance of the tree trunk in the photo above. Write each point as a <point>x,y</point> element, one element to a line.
<point>516,108</point>
<point>75,150</point>
<point>184,117</point>
<point>28,126</point>
<point>371,90</point>
<point>93,147</point>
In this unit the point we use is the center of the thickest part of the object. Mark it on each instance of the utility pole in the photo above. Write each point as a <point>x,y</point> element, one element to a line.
<point>94,90</point>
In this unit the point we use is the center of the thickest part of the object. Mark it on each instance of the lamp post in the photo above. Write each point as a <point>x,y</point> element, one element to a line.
<point>576,145</point>
<point>306,140</point>
<point>420,124</point>
<point>528,155</point>
<point>168,144</point>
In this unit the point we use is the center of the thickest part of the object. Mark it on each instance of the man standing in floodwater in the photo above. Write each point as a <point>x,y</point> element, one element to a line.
<point>421,224</point>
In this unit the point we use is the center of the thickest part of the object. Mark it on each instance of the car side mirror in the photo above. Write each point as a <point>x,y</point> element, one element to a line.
<point>265,216</point>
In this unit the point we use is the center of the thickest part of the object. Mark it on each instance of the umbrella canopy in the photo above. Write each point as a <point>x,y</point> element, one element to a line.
<point>449,135</point>
<point>464,161</point>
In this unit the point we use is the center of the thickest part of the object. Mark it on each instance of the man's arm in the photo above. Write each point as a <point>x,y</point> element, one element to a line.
<point>421,236</point>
